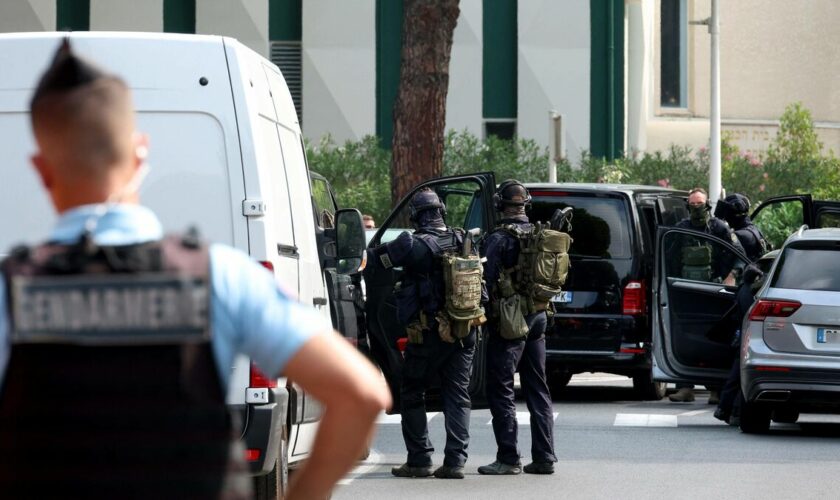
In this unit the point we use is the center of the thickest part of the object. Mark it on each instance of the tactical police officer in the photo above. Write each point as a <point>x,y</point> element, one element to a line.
<point>116,343</point>
<point>527,353</point>
<point>734,209</point>
<point>720,266</point>
<point>433,348</point>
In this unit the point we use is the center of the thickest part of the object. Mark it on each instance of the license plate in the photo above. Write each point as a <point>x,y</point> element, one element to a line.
<point>823,335</point>
<point>564,297</point>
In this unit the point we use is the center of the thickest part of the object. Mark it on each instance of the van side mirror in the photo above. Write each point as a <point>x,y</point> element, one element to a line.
<point>349,240</point>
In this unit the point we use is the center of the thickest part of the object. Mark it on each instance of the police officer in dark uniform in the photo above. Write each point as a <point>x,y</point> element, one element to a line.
<point>116,342</point>
<point>430,350</point>
<point>734,209</point>
<point>501,249</point>
<point>700,219</point>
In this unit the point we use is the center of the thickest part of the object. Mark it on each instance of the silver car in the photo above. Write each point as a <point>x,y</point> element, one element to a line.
<point>790,353</point>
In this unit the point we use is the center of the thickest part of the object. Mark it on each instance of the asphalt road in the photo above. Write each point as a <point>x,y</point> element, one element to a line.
<point>611,446</point>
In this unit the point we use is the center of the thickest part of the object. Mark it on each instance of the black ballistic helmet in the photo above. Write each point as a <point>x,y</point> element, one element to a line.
<point>423,200</point>
<point>733,206</point>
<point>511,192</point>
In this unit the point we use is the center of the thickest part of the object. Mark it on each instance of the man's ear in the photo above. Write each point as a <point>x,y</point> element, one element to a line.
<point>43,168</point>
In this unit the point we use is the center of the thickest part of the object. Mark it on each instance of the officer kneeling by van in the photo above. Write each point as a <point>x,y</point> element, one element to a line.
<point>116,343</point>
<point>439,303</point>
<point>520,295</point>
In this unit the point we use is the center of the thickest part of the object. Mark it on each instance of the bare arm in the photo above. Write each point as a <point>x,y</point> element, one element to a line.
<point>353,392</point>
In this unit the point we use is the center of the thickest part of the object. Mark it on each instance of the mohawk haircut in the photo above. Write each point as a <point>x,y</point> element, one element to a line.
<point>80,114</point>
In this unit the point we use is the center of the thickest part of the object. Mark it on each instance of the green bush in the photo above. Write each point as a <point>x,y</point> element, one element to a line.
<point>795,163</point>
<point>360,173</point>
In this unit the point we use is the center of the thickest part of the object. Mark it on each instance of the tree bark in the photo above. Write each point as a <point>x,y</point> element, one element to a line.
<point>420,107</point>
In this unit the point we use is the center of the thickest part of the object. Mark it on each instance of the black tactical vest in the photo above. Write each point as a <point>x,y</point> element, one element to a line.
<point>111,389</point>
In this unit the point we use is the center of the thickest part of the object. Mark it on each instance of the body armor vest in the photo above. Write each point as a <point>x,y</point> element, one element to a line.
<point>111,389</point>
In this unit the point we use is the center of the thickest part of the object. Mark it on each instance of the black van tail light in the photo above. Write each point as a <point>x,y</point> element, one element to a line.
<point>258,379</point>
<point>773,309</point>
<point>252,454</point>
<point>633,301</point>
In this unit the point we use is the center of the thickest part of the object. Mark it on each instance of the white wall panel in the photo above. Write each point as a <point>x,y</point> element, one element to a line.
<point>554,65</point>
<point>245,20</point>
<point>463,101</point>
<point>126,15</point>
<point>27,15</point>
<point>339,69</point>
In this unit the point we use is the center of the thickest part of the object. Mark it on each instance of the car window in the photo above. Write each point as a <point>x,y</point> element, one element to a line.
<point>324,204</point>
<point>463,209</point>
<point>600,226</point>
<point>828,219</point>
<point>695,256</point>
<point>672,210</point>
<point>779,220</point>
<point>808,268</point>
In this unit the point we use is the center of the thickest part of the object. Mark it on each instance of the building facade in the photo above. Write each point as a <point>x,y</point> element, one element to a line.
<point>626,75</point>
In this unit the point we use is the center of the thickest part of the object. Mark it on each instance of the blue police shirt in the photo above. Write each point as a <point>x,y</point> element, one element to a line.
<point>249,314</point>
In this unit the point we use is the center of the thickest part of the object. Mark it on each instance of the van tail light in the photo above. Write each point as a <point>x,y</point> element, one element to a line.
<point>402,343</point>
<point>267,264</point>
<point>258,379</point>
<point>252,454</point>
<point>633,301</point>
<point>773,309</point>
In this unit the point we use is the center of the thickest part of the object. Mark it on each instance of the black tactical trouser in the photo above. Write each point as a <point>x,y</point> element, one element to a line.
<point>452,362</point>
<point>503,357</point>
<point>731,397</point>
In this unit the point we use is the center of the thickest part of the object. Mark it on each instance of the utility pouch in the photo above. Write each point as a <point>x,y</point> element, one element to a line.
<point>414,332</point>
<point>512,324</point>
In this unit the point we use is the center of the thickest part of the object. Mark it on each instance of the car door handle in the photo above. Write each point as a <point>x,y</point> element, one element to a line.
<point>319,301</point>
<point>724,291</point>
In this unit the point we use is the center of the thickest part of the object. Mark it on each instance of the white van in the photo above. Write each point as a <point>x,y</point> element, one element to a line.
<point>226,156</point>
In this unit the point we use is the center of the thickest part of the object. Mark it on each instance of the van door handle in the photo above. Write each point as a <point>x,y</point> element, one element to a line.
<point>287,250</point>
<point>319,301</point>
<point>724,291</point>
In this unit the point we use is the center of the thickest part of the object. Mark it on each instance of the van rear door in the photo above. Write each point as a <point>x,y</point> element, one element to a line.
<point>589,315</point>
<point>468,200</point>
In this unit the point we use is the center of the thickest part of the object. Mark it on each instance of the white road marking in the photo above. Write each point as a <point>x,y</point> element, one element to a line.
<point>397,419</point>
<point>692,413</point>
<point>523,418</point>
<point>367,466</point>
<point>644,420</point>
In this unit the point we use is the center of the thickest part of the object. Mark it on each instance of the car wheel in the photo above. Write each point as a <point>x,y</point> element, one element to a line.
<point>275,484</point>
<point>648,389</point>
<point>785,416</point>
<point>558,380</point>
<point>755,418</point>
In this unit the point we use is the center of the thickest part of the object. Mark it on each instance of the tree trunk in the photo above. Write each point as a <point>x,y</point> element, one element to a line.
<point>420,107</point>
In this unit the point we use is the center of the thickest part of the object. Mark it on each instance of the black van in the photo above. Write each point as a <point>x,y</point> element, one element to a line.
<point>603,316</point>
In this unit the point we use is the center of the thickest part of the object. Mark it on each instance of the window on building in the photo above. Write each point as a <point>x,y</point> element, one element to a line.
<point>502,129</point>
<point>673,58</point>
<point>285,29</point>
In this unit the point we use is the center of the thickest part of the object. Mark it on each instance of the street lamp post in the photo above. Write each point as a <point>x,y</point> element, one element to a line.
<point>714,115</point>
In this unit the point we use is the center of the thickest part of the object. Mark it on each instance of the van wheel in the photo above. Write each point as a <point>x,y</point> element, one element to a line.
<point>755,418</point>
<point>785,416</point>
<point>646,388</point>
<point>275,484</point>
